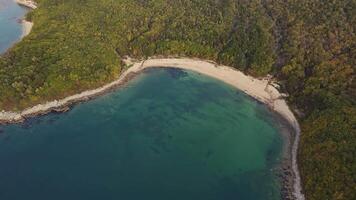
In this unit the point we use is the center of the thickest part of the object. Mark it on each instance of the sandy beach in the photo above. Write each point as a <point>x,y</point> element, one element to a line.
<point>26,27</point>
<point>260,89</point>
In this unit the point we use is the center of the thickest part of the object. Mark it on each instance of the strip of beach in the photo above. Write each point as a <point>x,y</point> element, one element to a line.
<point>26,25</point>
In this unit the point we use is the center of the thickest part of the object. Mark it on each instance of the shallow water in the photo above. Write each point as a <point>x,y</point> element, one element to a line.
<point>168,134</point>
<point>10,28</point>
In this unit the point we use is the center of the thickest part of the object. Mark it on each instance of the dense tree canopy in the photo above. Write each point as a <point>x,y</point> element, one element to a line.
<point>308,45</point>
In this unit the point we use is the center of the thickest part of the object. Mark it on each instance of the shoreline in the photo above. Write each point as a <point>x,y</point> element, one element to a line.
<point>27,3</point>
<point>261,90</point>
<point>284,170</point>
<point>26,25</point>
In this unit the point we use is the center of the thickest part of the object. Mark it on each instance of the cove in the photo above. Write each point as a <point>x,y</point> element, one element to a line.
<point>10,27</point>
<point>168,134</point>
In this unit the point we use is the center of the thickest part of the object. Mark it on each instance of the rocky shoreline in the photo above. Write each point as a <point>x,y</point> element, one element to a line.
<point>285,172</point>
<point>27,3</point>
<point>59,106</point>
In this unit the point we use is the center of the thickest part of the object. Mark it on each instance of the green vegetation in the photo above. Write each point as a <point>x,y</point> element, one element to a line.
<point>308,45</point>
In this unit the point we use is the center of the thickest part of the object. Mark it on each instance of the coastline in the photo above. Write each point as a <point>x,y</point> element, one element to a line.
<point>26,25</point>
<point>260,90</point>
<point>284,170</point>
<point>27,3</point>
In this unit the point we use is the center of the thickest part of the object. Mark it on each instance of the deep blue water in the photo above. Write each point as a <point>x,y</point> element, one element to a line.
<point>169,134</point>
<point>10,28</point>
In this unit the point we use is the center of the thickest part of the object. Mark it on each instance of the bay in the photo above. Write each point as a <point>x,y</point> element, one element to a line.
<point>168,134</point>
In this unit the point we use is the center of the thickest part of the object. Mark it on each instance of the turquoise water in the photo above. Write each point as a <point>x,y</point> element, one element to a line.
<point>10,28</point>
<point>168,134</point>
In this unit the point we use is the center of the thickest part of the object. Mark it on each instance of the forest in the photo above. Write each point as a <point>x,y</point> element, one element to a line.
<point>309,46</point>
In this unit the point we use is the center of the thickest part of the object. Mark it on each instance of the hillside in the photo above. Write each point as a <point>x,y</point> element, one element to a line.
<point>308,46</point>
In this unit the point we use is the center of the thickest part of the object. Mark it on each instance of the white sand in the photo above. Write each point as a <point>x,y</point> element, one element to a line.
<point>259,89</point>
<point>26,28</point>
<point>26,25</point>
